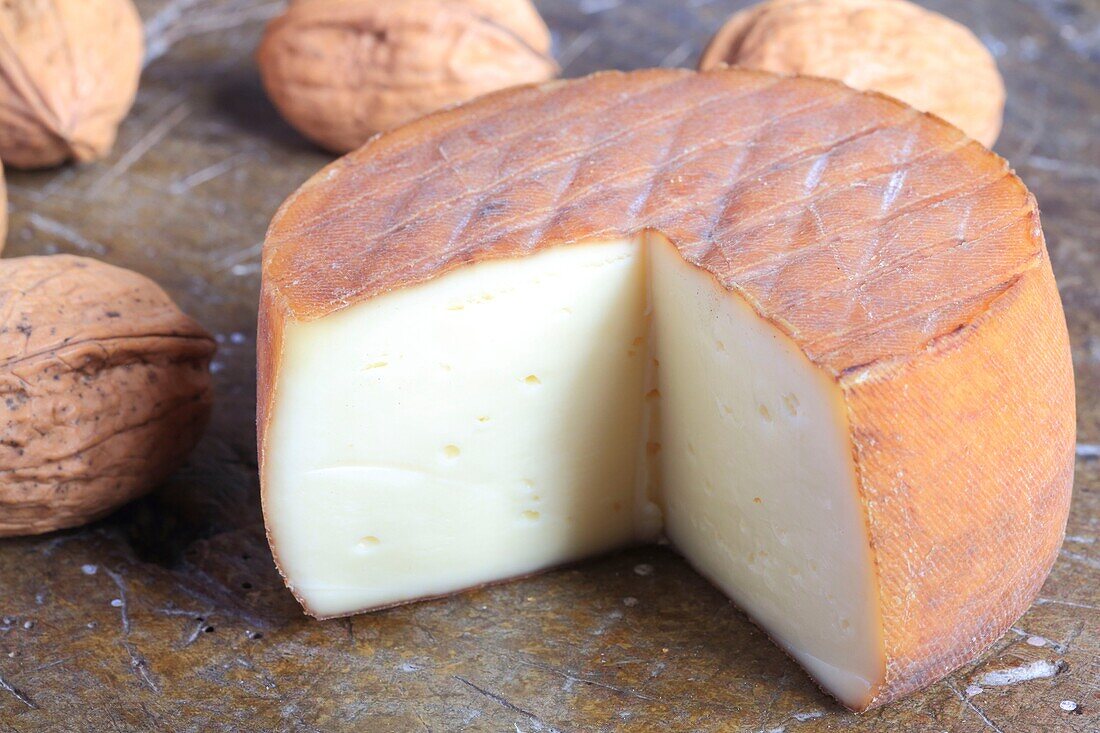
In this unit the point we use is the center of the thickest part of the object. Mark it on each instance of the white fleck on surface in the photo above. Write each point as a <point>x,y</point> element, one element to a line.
<point>244,269</point>
<point>1080,559</point>
<point>813,715</point>
<point>1068,705</point>
<point>1036,641</point>
<point>408,667</point>
<point>71,236</point>
<point>116,602</point>
<point>893,189</point>
<point>89,569</point>
<point>1037,670</point>
<point>972,690</point>
<point>643,569</point>
<point>816,172</point>
<point>630,601</point>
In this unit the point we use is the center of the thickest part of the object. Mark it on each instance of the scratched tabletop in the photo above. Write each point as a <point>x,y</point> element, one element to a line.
<point>169,615</point>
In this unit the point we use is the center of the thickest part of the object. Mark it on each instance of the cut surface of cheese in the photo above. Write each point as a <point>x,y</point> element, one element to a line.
<point>757,478</point>
<point>810,335</point>
<point>478,427</point>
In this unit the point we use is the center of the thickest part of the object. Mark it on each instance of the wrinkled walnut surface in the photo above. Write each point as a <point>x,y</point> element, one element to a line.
<point>341,70</point>
<point>68,74</point>
<point>518,16</point>
<point>889,46</point>
<point>104,389</point>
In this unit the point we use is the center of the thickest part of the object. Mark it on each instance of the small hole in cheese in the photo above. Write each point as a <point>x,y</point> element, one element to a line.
<point>367,544</point>
<point>451,451</point>
<point>530,515</point>
<point>483,418</point>
<point>532,379</point>
<point>765,413</point>
<point>791,402</point>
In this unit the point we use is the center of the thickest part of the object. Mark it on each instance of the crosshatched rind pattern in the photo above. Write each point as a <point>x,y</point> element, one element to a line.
<point>906,260</point>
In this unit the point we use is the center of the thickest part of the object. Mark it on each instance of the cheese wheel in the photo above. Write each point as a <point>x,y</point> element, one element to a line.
<point>810,334</point>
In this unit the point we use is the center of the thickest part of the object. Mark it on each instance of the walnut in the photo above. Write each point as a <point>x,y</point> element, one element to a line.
<point>341,70</point>
<point>104,390</point>
<point>890,46</point>
<point>68,74</point>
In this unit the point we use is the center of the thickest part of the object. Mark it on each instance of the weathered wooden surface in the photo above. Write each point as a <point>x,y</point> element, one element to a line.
<point>169,615</point>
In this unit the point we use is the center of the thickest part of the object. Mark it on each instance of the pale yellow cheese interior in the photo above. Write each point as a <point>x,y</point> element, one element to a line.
<point>518,414</point>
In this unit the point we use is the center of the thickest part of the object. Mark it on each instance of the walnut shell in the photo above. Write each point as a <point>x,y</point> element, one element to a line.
<point>892,46</point>
<point>518,16</point>
<point>105,389</point>
<point>341,70</point>
<point>68,74</point>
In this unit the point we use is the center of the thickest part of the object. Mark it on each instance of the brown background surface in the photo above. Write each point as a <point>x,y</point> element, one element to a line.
<point>170,616</point>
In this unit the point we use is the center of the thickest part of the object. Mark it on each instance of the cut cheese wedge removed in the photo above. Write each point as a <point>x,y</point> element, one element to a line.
<point>810,335</point>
